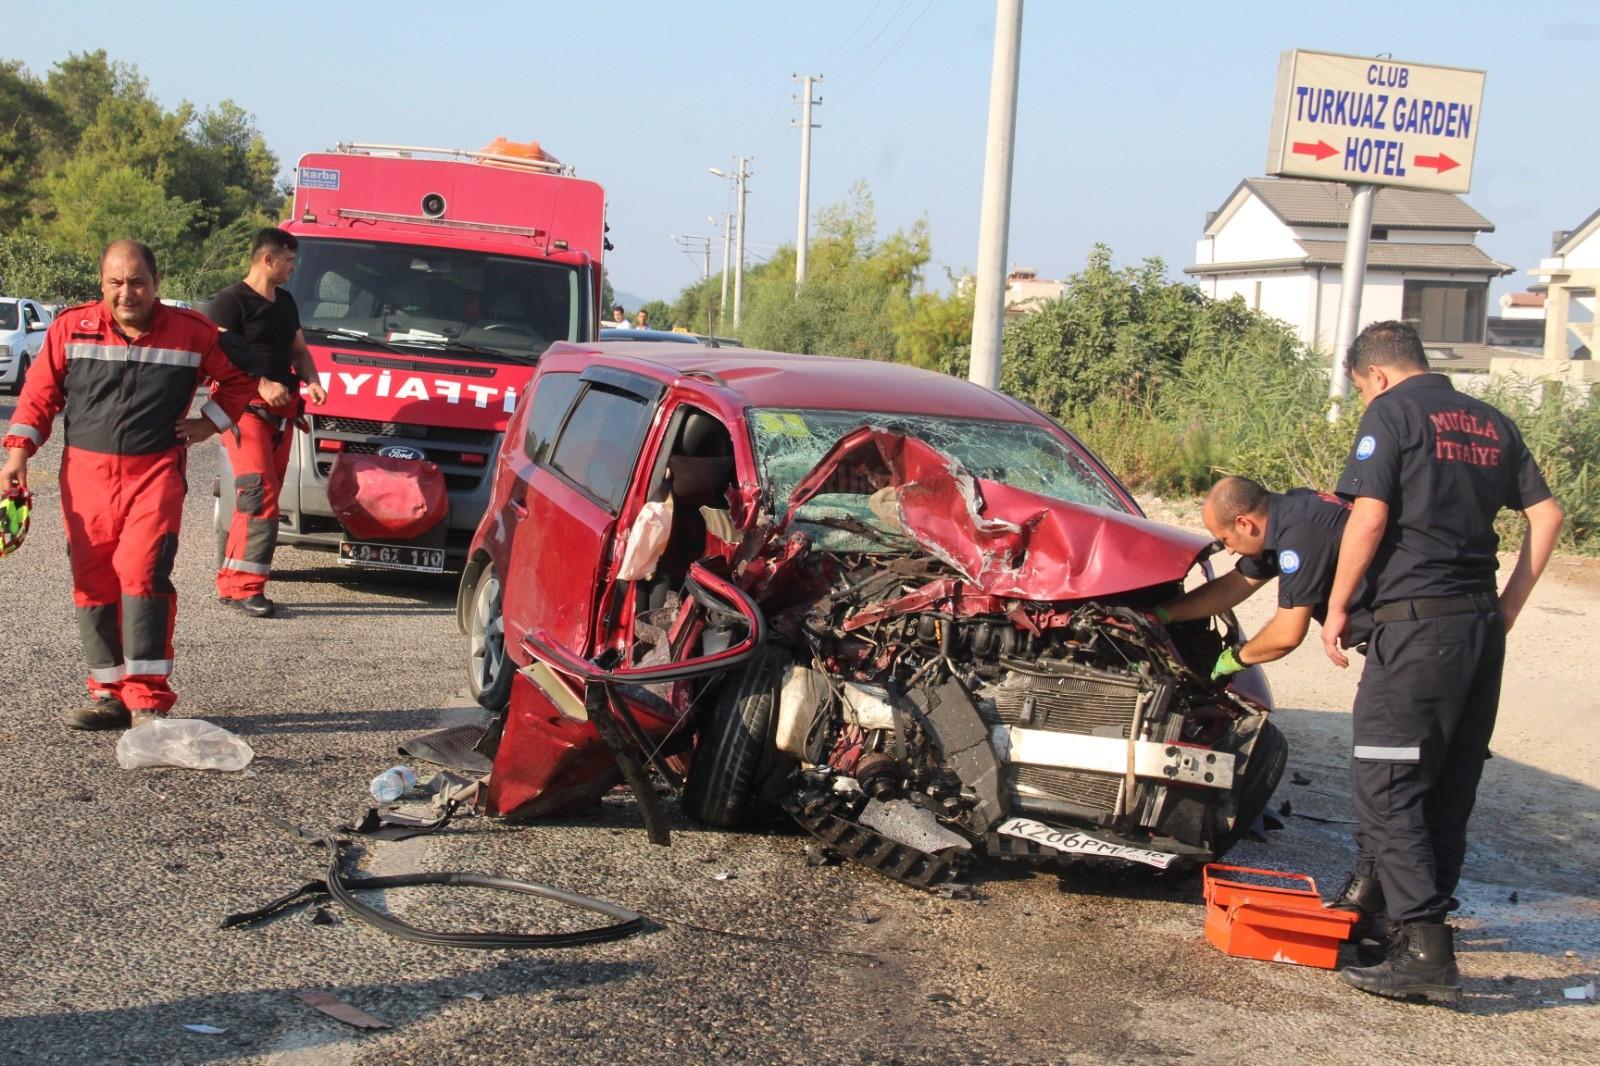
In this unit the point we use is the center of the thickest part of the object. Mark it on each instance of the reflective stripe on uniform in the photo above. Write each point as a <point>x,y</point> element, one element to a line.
<point>108,674</point>
<point>219,418</point>
<point>110,353</point>
<point>264,569</point>
<point>149,667</point>
<point>1376,753</point>
<point>17,429</point>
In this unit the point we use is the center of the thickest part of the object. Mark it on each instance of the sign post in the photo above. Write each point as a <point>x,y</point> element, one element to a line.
<point>1369,122</point>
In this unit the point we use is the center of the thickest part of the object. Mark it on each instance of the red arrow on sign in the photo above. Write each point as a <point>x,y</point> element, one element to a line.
<point>1322,149</point>
<point>1439,163</point>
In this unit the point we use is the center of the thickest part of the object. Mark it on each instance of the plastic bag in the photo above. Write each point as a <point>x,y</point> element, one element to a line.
<point>186,742</point>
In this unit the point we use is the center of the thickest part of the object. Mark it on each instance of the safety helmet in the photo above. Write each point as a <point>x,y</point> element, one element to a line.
<point>14,508</point>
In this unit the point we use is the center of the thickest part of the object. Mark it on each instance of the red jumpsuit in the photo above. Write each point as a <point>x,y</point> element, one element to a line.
<point>260,458</point>
<point>123,477</point>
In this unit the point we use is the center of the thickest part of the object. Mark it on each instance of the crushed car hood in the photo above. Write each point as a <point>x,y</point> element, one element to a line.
<point>1007,542</point>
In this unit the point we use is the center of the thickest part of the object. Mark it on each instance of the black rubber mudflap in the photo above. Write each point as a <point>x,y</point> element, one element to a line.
<point>822,814</point>
<point>453,748</point>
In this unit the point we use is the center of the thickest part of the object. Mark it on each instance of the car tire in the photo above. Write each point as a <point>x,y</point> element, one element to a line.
<point>731,747</point>
<point>489,668</point>
<point>1261,776</point>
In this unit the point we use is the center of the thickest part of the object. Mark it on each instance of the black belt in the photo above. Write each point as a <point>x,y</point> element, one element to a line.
<point>1436,607</point>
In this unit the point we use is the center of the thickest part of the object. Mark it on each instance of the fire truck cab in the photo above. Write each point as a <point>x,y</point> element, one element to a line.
<point>429,283</point>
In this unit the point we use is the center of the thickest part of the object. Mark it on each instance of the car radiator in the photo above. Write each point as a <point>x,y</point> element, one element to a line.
<point>1073,698</point>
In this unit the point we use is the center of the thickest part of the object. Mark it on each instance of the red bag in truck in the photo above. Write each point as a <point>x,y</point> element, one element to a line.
<point>379,498</point>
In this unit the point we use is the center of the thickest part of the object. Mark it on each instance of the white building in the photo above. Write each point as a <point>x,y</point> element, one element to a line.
<point>1026,290</point>
<point>1279,244</point>
<point>1568,279</point>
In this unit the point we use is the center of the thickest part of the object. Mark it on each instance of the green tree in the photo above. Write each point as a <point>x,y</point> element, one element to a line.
<point>29,122</point>
<point>33,268</point>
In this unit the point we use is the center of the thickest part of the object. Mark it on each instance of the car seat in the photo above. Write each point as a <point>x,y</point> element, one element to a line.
<point>333,297</point>
<point>700,469</point>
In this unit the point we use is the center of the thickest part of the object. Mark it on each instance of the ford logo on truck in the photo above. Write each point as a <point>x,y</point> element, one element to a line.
<point>400,451</point>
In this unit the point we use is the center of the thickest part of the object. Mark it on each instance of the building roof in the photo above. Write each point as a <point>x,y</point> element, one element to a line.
<point>1301,202</point>
<point>1575,237</point>
<point>1469,358</point>
<point>1526,299</point>
<point>1381,255</point>
<point>1399,255</point>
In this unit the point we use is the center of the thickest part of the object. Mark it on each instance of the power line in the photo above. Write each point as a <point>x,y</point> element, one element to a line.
<point>881,30</point>
<point>922,16</point>
<point>846,40</point>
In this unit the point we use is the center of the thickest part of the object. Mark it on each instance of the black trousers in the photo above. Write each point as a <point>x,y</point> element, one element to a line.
<point>1424,713</point>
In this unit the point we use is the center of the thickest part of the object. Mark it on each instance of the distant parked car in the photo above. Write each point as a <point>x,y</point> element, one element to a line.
<point>669,336</point>
<point>22,326</point>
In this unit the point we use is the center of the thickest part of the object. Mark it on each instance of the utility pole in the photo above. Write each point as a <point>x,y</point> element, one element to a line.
<point>727,244</point>
<point>689,244</point>
<point>994,222</point>
<point>802,238</point>
<point>1352,276</point>
<point>739,177</point>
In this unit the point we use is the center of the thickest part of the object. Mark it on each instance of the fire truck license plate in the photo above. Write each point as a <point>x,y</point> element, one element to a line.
<point>391,556</point>
<point>1073,842</point>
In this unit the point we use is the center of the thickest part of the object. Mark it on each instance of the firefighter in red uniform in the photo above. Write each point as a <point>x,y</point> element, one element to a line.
<point>261,311</point>
<point>124,371</point>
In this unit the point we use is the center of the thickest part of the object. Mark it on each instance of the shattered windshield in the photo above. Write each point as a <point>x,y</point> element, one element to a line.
<point>790,442</point>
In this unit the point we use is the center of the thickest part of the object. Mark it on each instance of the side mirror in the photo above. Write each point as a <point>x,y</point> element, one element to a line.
<point>717,597</point>
<point>38,327</point>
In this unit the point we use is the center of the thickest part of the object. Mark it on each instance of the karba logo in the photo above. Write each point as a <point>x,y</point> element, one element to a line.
<point>412,387</point>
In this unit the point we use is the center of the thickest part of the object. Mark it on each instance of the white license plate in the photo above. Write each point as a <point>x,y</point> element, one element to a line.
<point>1077,842</point>
<point>391,556</point>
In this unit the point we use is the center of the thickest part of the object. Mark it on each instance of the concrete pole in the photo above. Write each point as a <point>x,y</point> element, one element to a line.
<point>738,251</point>
<point>994,223</point>
<point>1351,278</point>
<point>727,243</point>
<point>803,234</point>
<point>707,276</point>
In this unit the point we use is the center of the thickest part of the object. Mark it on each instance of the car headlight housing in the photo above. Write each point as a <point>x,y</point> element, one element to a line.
<point>5,351</point>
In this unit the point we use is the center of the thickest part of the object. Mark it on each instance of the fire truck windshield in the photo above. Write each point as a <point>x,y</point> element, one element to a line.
<point>423,297</point>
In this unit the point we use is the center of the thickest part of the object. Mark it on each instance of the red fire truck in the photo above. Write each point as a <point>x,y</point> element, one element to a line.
<point>430,281</point>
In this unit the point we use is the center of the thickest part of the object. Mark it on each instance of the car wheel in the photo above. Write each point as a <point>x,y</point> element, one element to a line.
<point>1261,775</point>
<point>489,670</point>
<point>732,744</point>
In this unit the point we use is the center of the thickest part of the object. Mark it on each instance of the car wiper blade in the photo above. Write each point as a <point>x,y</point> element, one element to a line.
<point>481,349</point>
<point>352,335</point>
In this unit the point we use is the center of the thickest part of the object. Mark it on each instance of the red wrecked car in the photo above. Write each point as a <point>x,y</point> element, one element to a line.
<point>912,613</point>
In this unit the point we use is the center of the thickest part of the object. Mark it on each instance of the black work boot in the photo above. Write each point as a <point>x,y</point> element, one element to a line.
<point>1421,965</point>
<point>257,606</point>
<point>1363,894</point>
<point>99,713</point>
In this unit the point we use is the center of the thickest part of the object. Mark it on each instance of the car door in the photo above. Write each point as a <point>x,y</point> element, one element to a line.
<point>568,505</point>
<point>34,323</point>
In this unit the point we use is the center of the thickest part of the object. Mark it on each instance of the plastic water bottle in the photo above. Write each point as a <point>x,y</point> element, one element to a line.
<point>392,784</point>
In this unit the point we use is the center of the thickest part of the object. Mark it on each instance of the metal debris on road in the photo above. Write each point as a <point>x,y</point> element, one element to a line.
<point>203,1029</point>
<point>338,1009</point>
<point>1579,992</point>
<point>724,875</point>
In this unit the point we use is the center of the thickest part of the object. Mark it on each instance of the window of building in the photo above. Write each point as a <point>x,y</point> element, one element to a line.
<point>1447,312</point>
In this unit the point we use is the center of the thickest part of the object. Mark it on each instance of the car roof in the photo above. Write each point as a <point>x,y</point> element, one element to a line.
<point>815,382</point>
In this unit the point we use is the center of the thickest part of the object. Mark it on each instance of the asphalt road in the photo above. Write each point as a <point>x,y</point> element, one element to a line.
<point>113,882</point>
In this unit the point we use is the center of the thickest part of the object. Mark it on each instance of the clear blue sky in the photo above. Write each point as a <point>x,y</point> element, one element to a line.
<point>1134,119</point>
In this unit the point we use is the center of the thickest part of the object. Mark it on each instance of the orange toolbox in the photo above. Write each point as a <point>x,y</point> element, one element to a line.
<point>1262,918</point>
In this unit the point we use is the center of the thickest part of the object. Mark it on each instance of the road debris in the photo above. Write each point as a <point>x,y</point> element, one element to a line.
<point>724,875</point>
<point>1299,778</point>
<point>338,1009</point>
<point>1580,992</point>
<point>203,1029</point>
<point>187,743</point>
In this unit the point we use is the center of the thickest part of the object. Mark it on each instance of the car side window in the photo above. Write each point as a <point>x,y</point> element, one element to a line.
<point>30,315</point>
<point>551,398</point>
<point>601,442</point>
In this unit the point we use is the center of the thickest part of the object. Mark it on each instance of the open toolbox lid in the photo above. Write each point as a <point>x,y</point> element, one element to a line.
<point>1257,915</point>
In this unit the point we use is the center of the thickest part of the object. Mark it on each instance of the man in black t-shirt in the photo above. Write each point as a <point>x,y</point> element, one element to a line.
<point>263,313</point>
<point>1292,536</point>
<point>1429,471</point>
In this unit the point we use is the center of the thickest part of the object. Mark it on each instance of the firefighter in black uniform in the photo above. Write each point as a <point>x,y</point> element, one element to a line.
<point>1292,536</point>
<point>1430,469</point>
